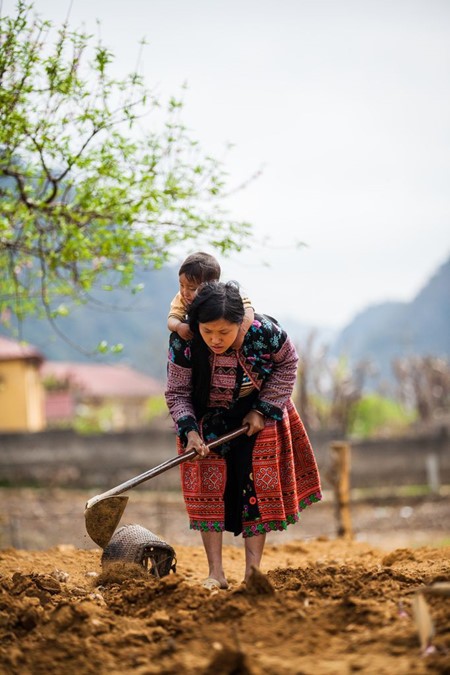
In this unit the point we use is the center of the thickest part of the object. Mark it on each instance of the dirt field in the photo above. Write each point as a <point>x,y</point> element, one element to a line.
<point>320,605</point>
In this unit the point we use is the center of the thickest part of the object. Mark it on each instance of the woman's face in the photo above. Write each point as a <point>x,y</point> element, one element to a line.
<point>219,335</point>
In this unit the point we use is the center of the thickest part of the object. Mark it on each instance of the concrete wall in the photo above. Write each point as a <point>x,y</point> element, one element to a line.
<point>66,459</point>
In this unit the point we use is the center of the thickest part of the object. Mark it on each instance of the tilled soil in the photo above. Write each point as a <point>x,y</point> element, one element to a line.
<point>322,607</point>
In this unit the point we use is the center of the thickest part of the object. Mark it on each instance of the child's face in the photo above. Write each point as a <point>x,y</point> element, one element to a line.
<point>188,288</point>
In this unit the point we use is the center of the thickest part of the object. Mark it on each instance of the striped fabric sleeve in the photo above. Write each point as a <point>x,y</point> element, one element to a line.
<point>277,389</point>
<point>179,387</point>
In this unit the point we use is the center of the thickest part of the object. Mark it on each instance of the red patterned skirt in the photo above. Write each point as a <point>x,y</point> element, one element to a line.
<point>285,480</point>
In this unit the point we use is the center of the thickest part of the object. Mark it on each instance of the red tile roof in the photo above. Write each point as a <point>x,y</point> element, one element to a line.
<point>11,350</point>
<point>103,381</point>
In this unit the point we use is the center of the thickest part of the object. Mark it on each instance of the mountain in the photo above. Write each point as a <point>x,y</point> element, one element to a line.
<point>301,333</point>
<point>390,330</point>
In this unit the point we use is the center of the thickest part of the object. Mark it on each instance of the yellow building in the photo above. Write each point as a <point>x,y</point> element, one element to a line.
<point>21,390</point>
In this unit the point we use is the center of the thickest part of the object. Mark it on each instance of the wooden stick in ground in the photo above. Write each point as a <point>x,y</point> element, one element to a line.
<point>340,479</point>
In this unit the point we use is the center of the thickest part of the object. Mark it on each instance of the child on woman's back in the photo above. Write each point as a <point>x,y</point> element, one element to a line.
<point>194,271</point>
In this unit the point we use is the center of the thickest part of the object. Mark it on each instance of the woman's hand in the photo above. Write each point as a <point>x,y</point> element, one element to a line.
<point>195,442</point>
<point>255,421</point>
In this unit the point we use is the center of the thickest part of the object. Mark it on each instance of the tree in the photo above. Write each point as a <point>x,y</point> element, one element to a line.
<point>85,196</point>
<point>424,386</point>
<point>329,389</point>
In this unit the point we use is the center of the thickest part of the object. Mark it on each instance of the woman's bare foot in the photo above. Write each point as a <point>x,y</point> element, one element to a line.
<point>211,583</point>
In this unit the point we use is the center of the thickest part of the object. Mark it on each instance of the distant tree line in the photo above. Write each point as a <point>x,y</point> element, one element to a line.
<point>332,393</point>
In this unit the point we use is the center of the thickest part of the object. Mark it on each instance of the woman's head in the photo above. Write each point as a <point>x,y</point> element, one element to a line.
<point>216,314</point>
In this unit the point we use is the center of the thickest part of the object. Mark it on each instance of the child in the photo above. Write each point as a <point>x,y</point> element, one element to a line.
<point>194,271</point>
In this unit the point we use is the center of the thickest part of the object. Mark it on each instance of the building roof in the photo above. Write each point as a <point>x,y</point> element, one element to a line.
<point>103,381</point>
<point>11,350</point>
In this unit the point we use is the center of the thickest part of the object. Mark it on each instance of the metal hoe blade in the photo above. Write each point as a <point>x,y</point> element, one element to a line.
<point>103,512</point>
<point>103,517</point>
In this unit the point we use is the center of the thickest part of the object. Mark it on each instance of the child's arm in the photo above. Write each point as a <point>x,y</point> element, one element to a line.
<point>247,321</point>
<point>181,327</point>
<point>176,320</point>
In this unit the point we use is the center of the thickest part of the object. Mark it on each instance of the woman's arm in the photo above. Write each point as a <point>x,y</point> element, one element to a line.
<point>277,388</point>
<point>179,387</point>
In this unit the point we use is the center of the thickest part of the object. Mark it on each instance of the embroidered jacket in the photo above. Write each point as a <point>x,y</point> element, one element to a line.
<point>267,358</point>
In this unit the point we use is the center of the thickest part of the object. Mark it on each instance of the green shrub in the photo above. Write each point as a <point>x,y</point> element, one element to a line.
<point>375,415</point>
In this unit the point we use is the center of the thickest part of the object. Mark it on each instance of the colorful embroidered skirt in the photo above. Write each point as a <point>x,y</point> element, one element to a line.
<point>262,482</point>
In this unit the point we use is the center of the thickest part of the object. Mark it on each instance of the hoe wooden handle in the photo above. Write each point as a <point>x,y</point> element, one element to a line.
<point>165,466</point>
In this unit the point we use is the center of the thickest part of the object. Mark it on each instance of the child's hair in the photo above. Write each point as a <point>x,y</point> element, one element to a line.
<point>200,267</point>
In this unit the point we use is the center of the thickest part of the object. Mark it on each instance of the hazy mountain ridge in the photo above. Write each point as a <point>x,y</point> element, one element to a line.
<point>390,330</point>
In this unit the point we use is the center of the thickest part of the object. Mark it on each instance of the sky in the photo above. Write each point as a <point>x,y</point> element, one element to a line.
<point>344,105</point>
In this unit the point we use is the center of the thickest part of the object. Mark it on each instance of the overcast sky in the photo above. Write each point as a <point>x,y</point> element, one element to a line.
<point>346,105</point>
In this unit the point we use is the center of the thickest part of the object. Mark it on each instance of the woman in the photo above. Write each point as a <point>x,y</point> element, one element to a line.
<point>262,480</point>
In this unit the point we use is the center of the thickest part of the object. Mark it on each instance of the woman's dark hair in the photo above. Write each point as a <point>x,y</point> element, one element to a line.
<point>214,301</point>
